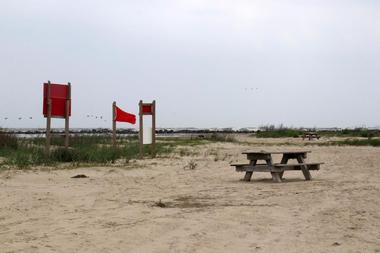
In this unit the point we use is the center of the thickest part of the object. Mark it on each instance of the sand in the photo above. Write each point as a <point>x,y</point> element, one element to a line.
<point>205,209</point>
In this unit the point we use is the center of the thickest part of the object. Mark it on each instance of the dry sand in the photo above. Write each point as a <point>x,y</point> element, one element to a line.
<point>207,209</point>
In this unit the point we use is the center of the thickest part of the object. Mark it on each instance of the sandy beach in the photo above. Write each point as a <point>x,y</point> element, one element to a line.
<point>163,205</point>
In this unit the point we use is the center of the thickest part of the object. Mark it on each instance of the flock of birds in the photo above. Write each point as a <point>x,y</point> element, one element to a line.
<point>96,117</point>
<point>101,118</point>
<point>30,118</point>
<point>251,89</point>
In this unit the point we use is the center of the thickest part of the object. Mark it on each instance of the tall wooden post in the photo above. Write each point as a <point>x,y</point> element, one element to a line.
<point>67,116</point>
<point>154,128</point>
<point>48,120</point>
<point>141,129</point>
<point>114,124</point>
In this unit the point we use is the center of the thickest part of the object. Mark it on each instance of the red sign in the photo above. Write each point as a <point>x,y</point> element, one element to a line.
<point>59,93</point>
<point>147,109</point>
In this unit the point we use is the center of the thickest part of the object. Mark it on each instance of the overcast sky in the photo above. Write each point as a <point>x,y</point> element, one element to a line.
<point>207,63</point>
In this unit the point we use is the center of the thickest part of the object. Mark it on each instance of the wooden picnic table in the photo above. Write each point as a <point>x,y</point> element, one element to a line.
<point>276,169</point>
<point>310,136</point>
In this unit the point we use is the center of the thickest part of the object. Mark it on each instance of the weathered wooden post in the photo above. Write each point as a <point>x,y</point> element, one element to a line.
<point>121,116</point>
<point>67,116</point>
<point>141,135</point>
<point>114,124</point>
<point>48,119</point>
<point>154,128</point>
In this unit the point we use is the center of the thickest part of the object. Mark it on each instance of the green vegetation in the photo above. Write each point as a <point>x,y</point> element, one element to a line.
<point>25,152</point>
<point>282,131</point>
<point>359,142</point>
<point>358,132</point>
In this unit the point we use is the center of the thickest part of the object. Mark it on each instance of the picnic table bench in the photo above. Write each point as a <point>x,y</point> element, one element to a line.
<point>276,169</point>
<point>310,136</point>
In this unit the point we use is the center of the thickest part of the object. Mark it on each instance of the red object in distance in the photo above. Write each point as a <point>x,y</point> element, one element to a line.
<point>147,109</point>
<point>58,94</point>
<point>123,116</point>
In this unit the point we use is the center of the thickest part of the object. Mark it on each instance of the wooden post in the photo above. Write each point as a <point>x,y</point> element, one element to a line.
<point>248,174</point>
<point>275,175</point>
<point>154,128</point>
<point>141,129</point>
<point>304,168</point>
<point>48,121</point>
<point>67,116</point>
<point>114,124</point>
<point>284,160</point>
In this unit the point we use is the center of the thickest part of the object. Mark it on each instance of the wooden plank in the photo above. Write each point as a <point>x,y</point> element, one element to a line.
<point>67,116</point>
<point>48,120</point>
<point>252,157</point>
<point>154,128</point>
<point>284,160</point>
<point>310,166</point>
<point>246,164</point>
<point>304,168</point>
<point>256,168</point>
<point>275,175</point>
<point>114,124</point>
<point>296,164</point>
<point>295,155</point>
<point>276,152</point>
<point>275,167</point>
<point>141,129</point>
<point>248,174</point>
<point>238,164</point>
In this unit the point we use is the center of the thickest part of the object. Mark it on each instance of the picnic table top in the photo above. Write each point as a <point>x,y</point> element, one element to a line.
<point>262,152</point>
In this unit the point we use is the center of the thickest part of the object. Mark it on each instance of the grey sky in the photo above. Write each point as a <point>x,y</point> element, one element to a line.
<point>207,63</point>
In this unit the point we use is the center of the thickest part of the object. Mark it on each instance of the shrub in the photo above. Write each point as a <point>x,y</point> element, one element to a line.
<point>279,133</point>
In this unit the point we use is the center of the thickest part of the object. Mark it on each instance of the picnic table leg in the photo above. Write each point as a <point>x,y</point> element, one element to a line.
<point>284,160</point>
<point>275,175</point>
<point>304,169</point>
<point>248,174</point>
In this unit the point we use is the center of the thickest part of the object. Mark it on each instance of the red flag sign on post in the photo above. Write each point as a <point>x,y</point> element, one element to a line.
<point>56,104</point>
<point>119,115</point>
<point>59,94</point>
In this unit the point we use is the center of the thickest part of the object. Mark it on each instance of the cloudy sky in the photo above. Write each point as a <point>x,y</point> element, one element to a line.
<point>207,63</point>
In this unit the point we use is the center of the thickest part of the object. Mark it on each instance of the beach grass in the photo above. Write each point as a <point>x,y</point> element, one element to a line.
<point>27,152</point>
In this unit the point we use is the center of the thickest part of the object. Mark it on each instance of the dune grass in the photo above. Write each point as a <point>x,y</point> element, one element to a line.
<point>27,152</point>
<point>282,131</point>
<point>358,142</point>
<point>358,132</point>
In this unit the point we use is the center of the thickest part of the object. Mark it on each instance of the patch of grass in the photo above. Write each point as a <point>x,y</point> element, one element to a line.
<point>87,150</point>
<point>279,133</point>
<point>8,140</point>
<point>358,132</point>
<point>359,142</point>
<point>219,137</point>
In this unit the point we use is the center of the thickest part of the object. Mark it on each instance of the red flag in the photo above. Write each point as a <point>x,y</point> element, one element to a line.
<point>123,116</point>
